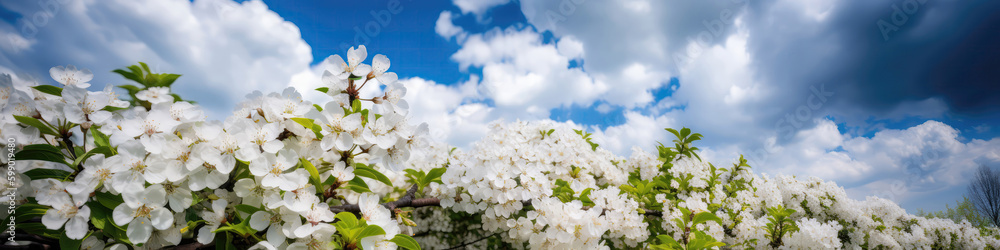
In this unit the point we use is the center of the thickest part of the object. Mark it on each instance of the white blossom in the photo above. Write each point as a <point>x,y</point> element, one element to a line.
<point>70,76</point>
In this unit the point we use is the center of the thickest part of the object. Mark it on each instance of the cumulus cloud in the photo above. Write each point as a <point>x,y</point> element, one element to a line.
<point>634,45</point>
<point>637,131</point>
<point>522,74</point>
<point>766,78</point>
<point>478,7</point>
<point>445,28</point>
<point>222,49</point>
<point>922,161</point>
<point>442,108</point>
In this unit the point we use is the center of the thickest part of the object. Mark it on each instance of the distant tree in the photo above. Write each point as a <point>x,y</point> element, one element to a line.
<point>984,191</point>
<point>963,210</point>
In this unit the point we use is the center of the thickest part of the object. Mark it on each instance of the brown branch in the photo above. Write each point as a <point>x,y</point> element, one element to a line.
<point>192,246</point>
<point>473,242</point>
<point>408,200</point>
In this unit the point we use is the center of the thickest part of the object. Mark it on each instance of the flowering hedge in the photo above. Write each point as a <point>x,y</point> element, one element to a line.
<point>96,171</point>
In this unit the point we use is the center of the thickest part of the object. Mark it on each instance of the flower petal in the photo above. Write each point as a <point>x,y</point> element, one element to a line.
<point>76,228</point>
<point>162,218</point>
<point>260,220</point>
<point>380,64</point>
<point>123,214</point>
<point>205,234</point>
<point>139,230</point>
<point>52,219</point>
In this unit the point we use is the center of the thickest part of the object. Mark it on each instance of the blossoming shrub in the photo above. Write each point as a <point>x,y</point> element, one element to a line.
<point>96,171</point>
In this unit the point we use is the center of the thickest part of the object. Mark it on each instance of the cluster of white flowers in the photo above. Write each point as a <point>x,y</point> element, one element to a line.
<point>519,163</point>
<point>813,234</point>
<point>502,177</point>
<point>173,171</point>
<point>272,175</point>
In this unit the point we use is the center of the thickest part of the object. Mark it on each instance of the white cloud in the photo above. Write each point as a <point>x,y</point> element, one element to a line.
<point>604,108</point>
<point>927,108</point>
<point>445,28</point>
<point>621,38</point>
<point>570,47</point>
<point>442,109</point>
<point>523,74</point>
<point>638,130</point>
<point>223,49</point>
<point>478,7</point>
<point>897,164</point>
<point>982,128</point>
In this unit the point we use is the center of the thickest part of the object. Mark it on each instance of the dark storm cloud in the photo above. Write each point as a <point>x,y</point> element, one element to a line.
<point>877,55</point>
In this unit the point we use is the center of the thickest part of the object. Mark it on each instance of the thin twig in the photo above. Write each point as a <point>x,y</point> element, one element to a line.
<point>473,242</point>
<point>409,201</point>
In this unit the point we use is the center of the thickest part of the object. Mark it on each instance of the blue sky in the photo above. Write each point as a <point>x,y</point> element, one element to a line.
<point>888,98</point>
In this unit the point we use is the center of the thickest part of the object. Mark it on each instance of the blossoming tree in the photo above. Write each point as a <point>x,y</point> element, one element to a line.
<point>96,171</point>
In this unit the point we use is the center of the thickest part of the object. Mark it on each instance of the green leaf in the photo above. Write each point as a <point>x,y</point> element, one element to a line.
<point>318,108</point>
<point>686,213</point>
<point>100,139</point>
<point>311,125</point>
<point>43,152</point>
<point>667,242</point>
<point>27,212</point>
<point>356,106</point>
<point>116,233</point>
<point>701,240</point>
<point>585,197</point>
<point>705,217</point>
<point>347,219</point>
<point>130,75</point>
<point>98,150</point>
<point>357,185</point>
<point>132,89</point>
<point>112,109</point>
<point>41,173</point>
<point>109,200</point>
<point>39,229</point>
<point>49,89</point>
<point>99,215</point>
<point>365,171</point>
<point>247,208</point>
<point>66,243</point>
<point>434,175</point>
<point>145,67</point>
<point>415,176</point>
<point>405,241</point>
<point>305,122</point>
<point>674,131</point>
<point>242,170</point>
<point>370,230</point>
<point>323,89</point>
<point>45,129</point>
<point>228,239</point>
<point>242,228</point>
<point>168,79</point>
<point>313,173</point>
